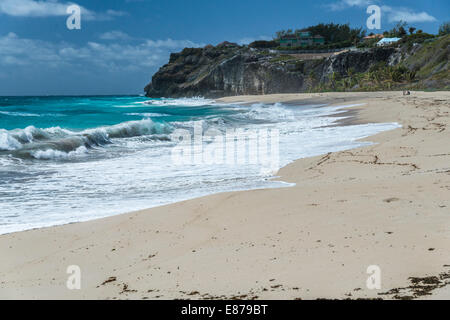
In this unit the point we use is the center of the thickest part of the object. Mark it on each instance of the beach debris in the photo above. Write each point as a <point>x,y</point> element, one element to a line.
<point>109,280</point>
<point>125,289</point>
<point>420,287</point>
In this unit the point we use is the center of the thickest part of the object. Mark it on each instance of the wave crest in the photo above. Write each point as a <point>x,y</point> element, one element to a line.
<point>58,143</point>
<point>51,154</point>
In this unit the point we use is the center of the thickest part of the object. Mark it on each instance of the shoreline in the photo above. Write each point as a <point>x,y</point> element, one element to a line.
<point>197,244</point>
<point>350,119</point>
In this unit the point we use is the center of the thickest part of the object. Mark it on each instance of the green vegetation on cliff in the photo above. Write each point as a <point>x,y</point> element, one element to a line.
<point>417,62</point>
<point>422,66</point>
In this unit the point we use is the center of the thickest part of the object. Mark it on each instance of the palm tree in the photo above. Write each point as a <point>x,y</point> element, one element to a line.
<point>311,80</point>
<point>333,78</point>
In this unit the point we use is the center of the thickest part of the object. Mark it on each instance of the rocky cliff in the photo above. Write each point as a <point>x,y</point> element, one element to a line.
<point>230,69</point>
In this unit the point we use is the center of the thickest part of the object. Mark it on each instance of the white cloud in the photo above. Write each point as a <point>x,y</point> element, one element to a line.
<point>109,15</point>
<point>50,8</point>
<point>172,44</point>
<point>31,8</point>
<point>21,52</point>
<point>93,56</point>
<point>115,13</point>
<point>114,35</point>
<point>405,14</point>
<point>393,14</point>
<point>344,4</point>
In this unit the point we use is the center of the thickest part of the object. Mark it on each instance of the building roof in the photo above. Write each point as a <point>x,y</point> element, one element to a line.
<point>389,40</point>
<point>374,36</point>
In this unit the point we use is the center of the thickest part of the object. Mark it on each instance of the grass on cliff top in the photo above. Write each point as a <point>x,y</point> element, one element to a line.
<point>432,59</point>
<point>427,68</point>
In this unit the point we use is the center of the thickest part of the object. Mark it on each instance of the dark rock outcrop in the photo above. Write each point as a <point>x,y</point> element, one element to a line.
<point>222,71</point>
<point>359,61</point>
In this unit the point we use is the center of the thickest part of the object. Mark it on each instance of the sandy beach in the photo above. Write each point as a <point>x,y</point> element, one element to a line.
<point>385,205</point>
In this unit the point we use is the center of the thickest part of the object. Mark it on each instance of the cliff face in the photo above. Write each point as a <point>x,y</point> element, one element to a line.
<point>222,71</point>
<point>229,69</point>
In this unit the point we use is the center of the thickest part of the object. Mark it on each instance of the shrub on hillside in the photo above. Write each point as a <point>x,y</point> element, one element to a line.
<point>444,29</point>
<point>417,38</point>
<point>263,44</point>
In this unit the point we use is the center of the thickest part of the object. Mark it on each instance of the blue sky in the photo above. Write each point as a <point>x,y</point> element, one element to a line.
<point>123,42</point>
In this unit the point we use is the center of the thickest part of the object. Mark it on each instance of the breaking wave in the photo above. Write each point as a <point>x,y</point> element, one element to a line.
<point>51,154</point>
<point>58,143</point>
<point>181,102</point>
